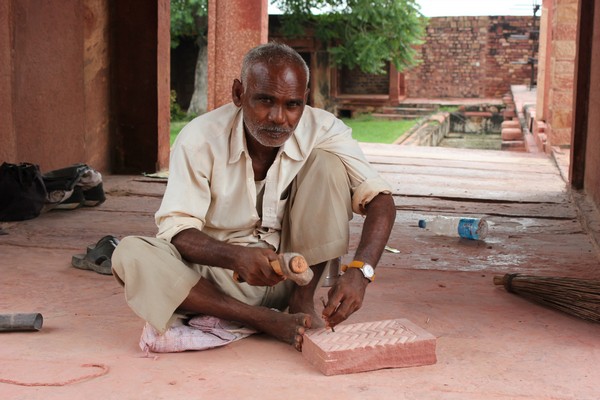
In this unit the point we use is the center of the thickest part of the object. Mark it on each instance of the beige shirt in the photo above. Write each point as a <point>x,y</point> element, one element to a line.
<point>211,182</point>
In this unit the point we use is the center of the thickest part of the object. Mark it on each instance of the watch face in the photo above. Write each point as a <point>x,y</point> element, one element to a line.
<point>368,271</point>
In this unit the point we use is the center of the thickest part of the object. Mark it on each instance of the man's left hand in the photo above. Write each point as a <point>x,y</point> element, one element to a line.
<point>345,297</point>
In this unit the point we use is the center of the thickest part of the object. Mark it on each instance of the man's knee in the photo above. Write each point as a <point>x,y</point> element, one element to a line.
<point>128,246</point>
<point>326,164</point>
<point>325,170</point>
<point>318,215</point>
<point>130,251</point>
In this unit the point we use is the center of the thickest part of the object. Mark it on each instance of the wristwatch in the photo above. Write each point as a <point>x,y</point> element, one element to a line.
<point>366,269</point>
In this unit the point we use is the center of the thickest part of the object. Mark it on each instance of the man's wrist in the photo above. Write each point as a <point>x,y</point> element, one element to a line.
<point>367,269</point>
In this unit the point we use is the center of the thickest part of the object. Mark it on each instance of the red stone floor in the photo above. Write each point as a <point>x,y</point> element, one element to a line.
<point>490,344</point>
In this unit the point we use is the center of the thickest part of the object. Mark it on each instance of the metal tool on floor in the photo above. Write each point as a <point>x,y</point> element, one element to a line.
<point>21,322</point>
<point>291,265</point>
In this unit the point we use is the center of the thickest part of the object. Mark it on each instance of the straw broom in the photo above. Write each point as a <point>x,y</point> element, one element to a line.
<point>578,297</point>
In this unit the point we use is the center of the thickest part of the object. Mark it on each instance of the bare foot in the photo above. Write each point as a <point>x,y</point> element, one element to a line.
<point>288,328</point>
<point>307,307</point>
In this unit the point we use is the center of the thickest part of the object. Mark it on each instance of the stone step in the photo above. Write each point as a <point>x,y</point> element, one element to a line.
<point>419,105</point>
<point>396,116</point>
<point>513,145</point>
<point>410,110</point>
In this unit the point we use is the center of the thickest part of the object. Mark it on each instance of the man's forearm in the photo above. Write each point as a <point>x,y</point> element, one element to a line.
<point>379,221</point>
<point>197,247</point>
<point>347,295</point>
<point>251,263</point>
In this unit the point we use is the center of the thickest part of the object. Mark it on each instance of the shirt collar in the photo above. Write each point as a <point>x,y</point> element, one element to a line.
<point>237,142</point>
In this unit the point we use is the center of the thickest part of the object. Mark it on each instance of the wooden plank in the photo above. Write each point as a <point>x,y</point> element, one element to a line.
<point>545,166</point>
<point>515,173</point>
<point>483,175</point>
<point>499,156</point>
<point>433,205</point>
<point>467,183</point>
<point>493,156</point>
<point>482,189</point>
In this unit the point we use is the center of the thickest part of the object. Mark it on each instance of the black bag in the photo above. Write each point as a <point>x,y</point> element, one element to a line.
<point>22,191</point>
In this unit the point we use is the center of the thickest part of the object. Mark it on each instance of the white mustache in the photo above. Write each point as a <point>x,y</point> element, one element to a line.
<point>275,130</point>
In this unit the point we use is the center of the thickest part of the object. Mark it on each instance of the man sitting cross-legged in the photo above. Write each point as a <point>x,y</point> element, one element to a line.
<point>261,176</point>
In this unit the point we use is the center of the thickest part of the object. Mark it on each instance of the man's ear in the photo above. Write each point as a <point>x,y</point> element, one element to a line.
<point>306,96</point>
<point>237,90</point>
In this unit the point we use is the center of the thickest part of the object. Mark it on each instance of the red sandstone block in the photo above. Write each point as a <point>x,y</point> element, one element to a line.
<point>485,114</point>
<point>511,134</point>
<point>511,123</point>
<point>541,141</point>
<point>368,346</point>
<point>513,145</point>
<point>539,127</point>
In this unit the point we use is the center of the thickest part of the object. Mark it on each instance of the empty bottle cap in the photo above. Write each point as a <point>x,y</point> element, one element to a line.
<point>422,223</point>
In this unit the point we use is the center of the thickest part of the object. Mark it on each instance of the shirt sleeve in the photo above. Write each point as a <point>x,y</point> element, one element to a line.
<point>187,196</point>
<point>365,181</point>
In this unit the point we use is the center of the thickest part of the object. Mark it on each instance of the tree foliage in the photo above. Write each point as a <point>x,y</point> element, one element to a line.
<point>189,19</point>
<point>359,33</point>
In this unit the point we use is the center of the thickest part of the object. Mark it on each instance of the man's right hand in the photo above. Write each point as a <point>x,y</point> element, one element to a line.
<point>252,264</point>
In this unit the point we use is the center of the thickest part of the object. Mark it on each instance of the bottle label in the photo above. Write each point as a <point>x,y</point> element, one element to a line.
<point>468,228</point>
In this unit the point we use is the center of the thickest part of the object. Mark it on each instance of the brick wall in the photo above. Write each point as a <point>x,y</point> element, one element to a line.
<point>473,57</point>
<point>357,82</point>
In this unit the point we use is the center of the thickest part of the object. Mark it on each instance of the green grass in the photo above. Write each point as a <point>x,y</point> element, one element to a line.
<point>449,109</point>
<point>176,126</point>
<point>365,128</point>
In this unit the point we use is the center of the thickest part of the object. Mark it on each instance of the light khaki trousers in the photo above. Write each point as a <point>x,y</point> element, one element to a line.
<point>157,279</point>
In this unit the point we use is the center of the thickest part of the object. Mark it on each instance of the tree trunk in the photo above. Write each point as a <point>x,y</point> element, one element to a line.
<point>199,100</point>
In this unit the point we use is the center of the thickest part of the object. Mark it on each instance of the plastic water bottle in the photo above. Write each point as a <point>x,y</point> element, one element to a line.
<point>468,228</point>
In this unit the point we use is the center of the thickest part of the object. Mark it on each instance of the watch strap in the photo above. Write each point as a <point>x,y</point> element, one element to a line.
<point>359,265</point>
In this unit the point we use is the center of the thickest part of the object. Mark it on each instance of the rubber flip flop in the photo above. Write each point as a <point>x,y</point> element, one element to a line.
<point>101,242</point>
<point>98,257</point>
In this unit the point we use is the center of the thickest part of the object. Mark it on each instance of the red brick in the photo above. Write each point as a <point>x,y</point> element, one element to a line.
<point>511,123</point>
<point>540,141</point>
<point>511,134</point>
<point>368,346</point>
<point>513,145</point>
<point>478,114</point>
<point>539,127</point>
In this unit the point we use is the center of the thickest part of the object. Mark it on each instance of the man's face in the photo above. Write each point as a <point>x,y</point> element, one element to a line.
<point>272,101</point>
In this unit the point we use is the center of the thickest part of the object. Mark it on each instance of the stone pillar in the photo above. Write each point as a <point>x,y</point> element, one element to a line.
<point>8,140</point>
<point>396,87</point>
<point>559,114</point>
<point>234,27</point>
<point>163,83</point>
<point>545,43</point>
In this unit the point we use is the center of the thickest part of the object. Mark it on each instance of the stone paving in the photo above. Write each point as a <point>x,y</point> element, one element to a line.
<point>490,344</point>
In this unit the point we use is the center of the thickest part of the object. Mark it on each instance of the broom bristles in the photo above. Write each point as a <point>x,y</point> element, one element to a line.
<point>578,297</point>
